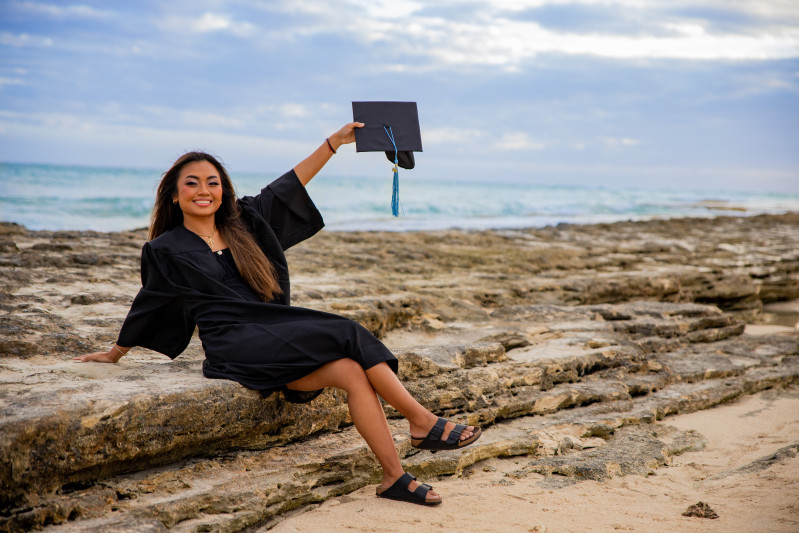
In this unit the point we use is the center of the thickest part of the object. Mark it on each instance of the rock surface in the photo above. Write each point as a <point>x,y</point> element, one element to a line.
<point>701,510</point>
<point>566,342</point>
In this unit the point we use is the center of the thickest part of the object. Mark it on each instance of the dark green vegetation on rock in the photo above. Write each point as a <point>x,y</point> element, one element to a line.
<point>566,342</point>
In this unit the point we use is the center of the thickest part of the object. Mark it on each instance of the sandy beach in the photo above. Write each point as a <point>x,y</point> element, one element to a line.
<point>623,373</point>
<point>736,474</point>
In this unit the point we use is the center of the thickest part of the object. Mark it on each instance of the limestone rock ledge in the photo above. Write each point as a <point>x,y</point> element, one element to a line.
<point>557,340</point>
<point>584,381</point>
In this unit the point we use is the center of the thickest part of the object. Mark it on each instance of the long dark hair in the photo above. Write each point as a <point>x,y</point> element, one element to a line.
<point>253,265</point>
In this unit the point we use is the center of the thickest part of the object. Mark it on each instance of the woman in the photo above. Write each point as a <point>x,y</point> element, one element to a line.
<point>218,263</point>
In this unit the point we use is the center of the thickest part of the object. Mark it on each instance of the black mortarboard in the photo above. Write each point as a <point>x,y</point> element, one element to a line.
<point>390,127</point>
<point>401,119</point>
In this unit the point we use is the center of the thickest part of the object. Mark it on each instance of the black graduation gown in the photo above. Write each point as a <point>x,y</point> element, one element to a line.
<point>261,345</point>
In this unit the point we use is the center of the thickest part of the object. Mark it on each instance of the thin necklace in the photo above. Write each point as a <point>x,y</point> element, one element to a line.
<point>209,238</point>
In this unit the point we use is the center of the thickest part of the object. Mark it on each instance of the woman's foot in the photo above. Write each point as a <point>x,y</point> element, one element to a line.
<point>441,434</point>
<point>405,488</point>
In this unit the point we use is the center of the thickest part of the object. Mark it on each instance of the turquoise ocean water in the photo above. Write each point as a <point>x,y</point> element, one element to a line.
<point>56,197</point>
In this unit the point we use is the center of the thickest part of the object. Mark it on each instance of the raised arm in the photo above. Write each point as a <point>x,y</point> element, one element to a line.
<point>311,165</point>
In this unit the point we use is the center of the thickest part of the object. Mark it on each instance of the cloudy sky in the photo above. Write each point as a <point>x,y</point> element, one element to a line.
<point>698,93</point>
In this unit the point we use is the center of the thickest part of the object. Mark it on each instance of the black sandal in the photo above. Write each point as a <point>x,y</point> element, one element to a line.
<point>433,439</point>
<point>399,491</point>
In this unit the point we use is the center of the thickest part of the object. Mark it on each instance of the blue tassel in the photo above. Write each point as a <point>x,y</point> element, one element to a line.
<point>395,203</point>
<point>395,193</point>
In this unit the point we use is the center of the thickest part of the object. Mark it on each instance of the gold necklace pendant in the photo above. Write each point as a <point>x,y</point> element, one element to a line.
<point>209,238</point>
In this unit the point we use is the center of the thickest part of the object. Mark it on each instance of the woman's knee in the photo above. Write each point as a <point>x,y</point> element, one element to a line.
<point>349,373</point>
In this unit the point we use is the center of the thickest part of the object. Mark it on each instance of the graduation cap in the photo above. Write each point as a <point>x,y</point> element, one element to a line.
<point>390,127</point>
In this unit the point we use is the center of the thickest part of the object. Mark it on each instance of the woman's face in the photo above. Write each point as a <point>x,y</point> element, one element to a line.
<point>199,191</point>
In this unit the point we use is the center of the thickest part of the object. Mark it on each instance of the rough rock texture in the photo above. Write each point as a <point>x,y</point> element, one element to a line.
<point>565,342</point>
<point>701,510</point>
<point>782,455</point>
<point>638,449</point>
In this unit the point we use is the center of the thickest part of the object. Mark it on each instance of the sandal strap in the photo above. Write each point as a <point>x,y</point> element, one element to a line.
<point>438,429</point>
<point>455,434</point>
<point>434,441</point>
<point>404,480</point>
<point>422,490</point>
<point>400,490</point>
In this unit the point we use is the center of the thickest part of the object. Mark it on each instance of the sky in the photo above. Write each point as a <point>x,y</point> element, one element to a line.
<point>700,94</point>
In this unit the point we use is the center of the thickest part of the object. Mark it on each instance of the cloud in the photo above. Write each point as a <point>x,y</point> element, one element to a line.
<point>10,81</point>
<point>196,119</point>
<point>391,8</point>
<point>206,23</point>
<point>511,43</point>
<point>614,143</point>
<point>64,137</point>
<point>518,141</point>
<point>779,9</point>
<point>499,83</point>
<point>292,110</point>
<point>61,11</point>
<point>450,135</point>
<point>287,120</point>
<point>493,35</point>
<point>763,83</point>
<point>212,22</point>
<point>23,39</point>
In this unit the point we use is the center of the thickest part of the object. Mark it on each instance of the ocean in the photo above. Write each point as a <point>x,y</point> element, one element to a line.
<point>56,197</point>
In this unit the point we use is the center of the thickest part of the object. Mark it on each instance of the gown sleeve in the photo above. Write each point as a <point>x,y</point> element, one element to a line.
<point>157,319</point>
<point>288,209</point>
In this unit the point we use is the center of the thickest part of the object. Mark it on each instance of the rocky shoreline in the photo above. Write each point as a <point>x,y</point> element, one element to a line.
<point>558,340</point>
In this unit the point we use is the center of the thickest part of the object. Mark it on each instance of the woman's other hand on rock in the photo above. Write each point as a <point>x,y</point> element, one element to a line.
<point>111,356</point>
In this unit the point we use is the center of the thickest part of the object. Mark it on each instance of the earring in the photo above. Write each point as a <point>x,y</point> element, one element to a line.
<point>174,201</point>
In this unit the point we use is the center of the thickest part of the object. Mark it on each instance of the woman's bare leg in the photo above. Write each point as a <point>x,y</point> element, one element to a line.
<point>391,389</point>
<point>366,412</point>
